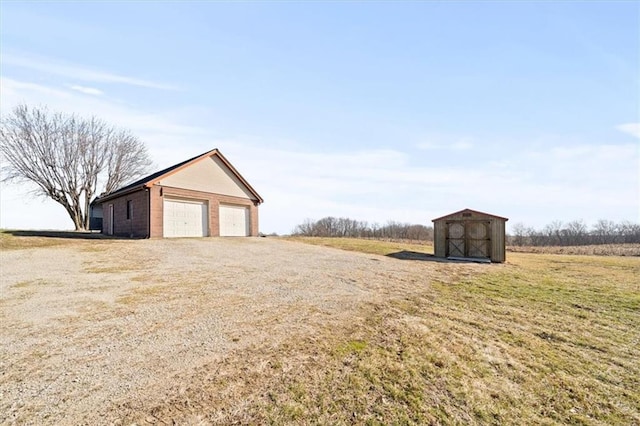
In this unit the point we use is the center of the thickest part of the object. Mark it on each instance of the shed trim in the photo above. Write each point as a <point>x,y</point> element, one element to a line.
<point>469,211</point>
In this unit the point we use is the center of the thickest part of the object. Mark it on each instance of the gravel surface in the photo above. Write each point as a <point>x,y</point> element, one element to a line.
<point>88,327</point>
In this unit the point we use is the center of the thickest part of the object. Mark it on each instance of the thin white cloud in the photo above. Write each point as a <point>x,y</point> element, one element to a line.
<point>158,128</point>
<point>87,90</point>
<point>20,90</point>
<point>632,129</point>
<point>462,144</point>
<point>77,72</point>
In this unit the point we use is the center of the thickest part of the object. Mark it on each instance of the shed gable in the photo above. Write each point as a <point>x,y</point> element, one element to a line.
<point>467,214</point>
<point>208,175</point>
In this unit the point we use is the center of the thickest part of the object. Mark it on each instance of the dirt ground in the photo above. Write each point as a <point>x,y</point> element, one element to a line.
<point>90,328</point>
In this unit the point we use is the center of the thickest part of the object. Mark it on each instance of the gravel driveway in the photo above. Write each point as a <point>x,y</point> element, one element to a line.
<point>88,326</point>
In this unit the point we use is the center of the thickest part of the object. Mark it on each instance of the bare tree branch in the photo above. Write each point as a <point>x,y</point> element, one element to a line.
<point>66,157</point>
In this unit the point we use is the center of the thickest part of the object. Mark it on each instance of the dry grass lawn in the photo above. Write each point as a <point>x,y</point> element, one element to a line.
<point>598,250</point>
<point>547,339</point>
<point>542,339</point>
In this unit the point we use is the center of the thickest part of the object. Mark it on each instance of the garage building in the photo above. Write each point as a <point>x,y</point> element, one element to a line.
<point>200,197</point>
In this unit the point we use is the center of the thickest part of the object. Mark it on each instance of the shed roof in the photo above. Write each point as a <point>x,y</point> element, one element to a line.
<point>150,180</point>
<point>469,211</point>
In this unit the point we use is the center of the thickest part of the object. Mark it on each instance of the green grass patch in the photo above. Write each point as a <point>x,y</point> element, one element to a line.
<point>351,347</point>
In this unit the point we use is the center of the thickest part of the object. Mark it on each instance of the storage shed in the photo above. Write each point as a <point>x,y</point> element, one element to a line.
<point>470,234</point>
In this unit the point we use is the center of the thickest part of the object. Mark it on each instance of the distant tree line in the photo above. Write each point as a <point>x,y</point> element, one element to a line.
<point>575,233</point>
<point>556,233</point>
<point>345,227</point>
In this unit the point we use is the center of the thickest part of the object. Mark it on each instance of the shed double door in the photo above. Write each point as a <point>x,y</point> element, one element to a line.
<point>469,239</point>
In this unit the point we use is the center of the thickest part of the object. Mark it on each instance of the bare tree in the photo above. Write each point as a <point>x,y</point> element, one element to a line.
<point>305,228</point>
<point>629,232</point>
<point>518,234</point>
<point>553,232</point>
<point>575,233</point>
<point>604,231</point>
<point>67,157</point>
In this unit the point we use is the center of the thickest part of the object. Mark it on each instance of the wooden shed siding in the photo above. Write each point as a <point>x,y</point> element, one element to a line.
<point>497,232</point>
<point>439,238</point>
<point>498,242</point>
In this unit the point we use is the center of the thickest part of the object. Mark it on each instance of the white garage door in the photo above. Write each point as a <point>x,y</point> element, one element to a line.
<point>185,218</point>
<point>234,221</point>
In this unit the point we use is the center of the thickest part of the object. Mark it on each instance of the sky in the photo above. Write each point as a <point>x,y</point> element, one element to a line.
<point>376,111</point>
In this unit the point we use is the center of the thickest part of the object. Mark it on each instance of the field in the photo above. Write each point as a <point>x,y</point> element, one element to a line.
<point>257,331</point>
<point>598,250</point>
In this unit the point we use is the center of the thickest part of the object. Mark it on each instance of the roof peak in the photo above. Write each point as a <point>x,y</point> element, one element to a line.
<point>467,210</point>
<point>149,180</point>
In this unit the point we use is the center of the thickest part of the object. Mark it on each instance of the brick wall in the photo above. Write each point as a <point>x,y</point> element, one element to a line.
<point>137,225</point>
<point>155,230</point>
<point>157,194</point>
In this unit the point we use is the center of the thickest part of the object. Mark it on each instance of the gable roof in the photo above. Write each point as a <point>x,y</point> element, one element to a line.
<point>150,180</point>
<point>469,211</point>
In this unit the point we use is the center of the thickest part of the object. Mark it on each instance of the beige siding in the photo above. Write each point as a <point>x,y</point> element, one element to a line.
<point>208,175</point>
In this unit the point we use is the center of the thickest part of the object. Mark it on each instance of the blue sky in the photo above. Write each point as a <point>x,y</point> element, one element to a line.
<point>371,110</point>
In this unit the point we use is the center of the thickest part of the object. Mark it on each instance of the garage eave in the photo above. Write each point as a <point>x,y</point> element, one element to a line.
<point>117,194</point>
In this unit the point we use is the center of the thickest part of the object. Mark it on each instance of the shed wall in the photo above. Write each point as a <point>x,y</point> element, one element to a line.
<point>439,239</point>
<point>497,232</point>
<point>498,243</point>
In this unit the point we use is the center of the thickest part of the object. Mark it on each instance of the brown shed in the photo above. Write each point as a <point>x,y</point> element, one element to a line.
<point>470,234</point>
